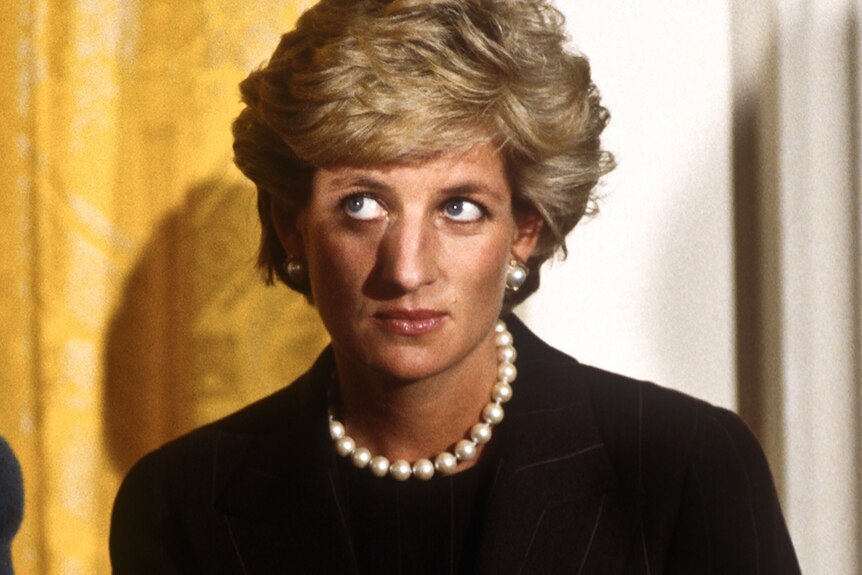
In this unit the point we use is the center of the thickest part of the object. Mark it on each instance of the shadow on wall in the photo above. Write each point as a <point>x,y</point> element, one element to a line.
<point>147,388</point>
<point>197,334</point>
<point>763,201</point>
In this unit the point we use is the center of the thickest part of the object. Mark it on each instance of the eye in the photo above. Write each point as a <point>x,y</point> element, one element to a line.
<point>363,207</point>
<point>461,210</point>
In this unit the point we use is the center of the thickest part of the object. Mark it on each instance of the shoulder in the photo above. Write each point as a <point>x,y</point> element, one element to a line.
<point>648,430</point>
<point>654,435</point>
<point>173,491</point>
<point>184,472</point>
<point>228,436</point>
<point>705,491</point>
<point>179,466</point>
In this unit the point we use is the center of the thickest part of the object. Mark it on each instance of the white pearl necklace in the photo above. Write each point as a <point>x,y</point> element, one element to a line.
<point>465,450</point>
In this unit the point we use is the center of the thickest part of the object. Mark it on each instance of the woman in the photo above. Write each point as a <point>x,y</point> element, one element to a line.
<point>416,162</point>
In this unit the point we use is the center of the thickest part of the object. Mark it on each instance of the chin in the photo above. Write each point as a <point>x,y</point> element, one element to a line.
<point>407,365</point>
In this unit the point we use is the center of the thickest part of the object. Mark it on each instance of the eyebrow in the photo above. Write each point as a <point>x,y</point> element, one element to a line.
<point>359,181</point>
<point>470,189</point>
<point>467,188</point>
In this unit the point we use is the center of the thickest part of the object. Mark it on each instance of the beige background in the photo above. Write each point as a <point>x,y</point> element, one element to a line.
<point>726,261</point>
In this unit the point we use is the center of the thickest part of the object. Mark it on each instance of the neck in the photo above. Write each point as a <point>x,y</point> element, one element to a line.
<point>415,419</point>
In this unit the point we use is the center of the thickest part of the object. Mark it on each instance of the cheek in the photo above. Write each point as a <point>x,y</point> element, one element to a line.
<point>481,268</point>
<point>337,268</point>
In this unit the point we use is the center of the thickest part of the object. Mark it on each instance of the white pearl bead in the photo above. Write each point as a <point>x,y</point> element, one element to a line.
<point>445,463</point>
<point>501,392</point>
<point>379,466</point>
<point>465,450</point>
<point>400,470</point>
<point>480,433</point>
<point>423,469</point>
<point>506,372</point>
<point>517,277</point>
<point>500,326</point>
<point>492,413</point>
<point>345,446</point>
<point>361,457</point>
<point>336,430</point>
<point>506,354</point>
<point>504,338</point>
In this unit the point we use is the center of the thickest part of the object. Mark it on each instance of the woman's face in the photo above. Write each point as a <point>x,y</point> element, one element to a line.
<point>407,262</point>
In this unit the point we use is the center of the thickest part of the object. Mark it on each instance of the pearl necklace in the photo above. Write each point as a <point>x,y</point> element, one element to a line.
<point>464,450</point>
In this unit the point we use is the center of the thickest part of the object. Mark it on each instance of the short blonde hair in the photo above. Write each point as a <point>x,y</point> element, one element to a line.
<point>365,82</point>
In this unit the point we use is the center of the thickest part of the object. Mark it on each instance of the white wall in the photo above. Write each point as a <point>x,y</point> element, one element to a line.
<point>647,289</point>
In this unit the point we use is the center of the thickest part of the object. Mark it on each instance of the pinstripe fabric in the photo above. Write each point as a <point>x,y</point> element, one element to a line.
<point>596,473</point>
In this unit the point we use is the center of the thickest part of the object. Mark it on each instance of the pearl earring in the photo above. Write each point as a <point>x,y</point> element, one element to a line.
<point>516,275</point>
<point>295,271</point>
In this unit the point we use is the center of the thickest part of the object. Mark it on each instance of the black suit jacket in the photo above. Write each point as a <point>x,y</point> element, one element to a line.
<point>597,474</point>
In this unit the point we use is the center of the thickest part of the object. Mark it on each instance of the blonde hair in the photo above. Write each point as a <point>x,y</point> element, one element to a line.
<point>363,82</point>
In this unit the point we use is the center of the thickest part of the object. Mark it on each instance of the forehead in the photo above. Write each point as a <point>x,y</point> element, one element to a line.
<point>481,165</point>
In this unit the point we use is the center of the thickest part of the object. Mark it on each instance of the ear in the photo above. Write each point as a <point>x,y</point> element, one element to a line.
<point>529,225</point>
<point>286,228</point>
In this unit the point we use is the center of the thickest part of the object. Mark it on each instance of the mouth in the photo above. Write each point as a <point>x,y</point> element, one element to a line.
<point>410,322</point>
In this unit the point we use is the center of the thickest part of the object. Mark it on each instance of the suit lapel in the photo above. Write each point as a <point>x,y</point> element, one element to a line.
<point>281,503</point>
<point>556,504</point>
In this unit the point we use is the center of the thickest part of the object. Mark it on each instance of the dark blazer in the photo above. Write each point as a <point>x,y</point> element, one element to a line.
<point>597,474</point>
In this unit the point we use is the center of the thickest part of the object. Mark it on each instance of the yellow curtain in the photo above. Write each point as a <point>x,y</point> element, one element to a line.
<point>130,308</point>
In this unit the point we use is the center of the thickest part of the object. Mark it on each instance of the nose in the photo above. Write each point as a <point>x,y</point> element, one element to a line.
<point>407,254</point>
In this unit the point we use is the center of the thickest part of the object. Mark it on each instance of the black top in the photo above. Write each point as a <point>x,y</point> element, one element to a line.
<point>595,473</point>
<point>11,504</point>
<point>416,527</point>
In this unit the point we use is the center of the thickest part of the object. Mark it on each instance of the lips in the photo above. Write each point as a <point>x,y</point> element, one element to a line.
<point>410,322</point>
